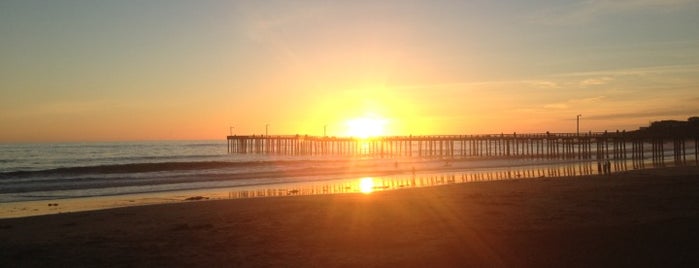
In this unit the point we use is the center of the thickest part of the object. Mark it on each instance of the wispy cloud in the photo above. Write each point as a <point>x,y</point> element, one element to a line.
<point>573,103</point>
<point>528,83</point>
<point>666,113</point>
<point>589,100</point>
<point>589,11</point>
<point>556,106</point>
<point>598,81</point>
<point>664,69</point>
<point>661,77</point>
<point>270,29</point>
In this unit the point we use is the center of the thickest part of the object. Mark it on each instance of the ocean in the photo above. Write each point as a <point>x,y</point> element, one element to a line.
<point>68,170</point>
<point>50,171</point>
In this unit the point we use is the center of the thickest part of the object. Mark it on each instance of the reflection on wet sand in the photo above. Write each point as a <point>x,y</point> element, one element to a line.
<point>416,179</point>
<point>422,176</point>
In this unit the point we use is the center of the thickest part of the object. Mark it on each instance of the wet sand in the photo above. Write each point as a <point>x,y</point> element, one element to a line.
<point>636,218</point>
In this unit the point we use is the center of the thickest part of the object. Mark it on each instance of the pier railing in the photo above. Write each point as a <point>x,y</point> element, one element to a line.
<point>590,145</point>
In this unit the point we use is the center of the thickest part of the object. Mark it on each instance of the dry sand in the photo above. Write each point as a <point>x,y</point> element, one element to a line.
<point>637,218</point>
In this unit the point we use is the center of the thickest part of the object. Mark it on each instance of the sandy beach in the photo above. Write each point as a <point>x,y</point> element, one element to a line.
<point>636,218</point>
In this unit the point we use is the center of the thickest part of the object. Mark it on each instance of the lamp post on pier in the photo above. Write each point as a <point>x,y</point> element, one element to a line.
<point>266,130</point>
<point>578,124</point>
<point>231,130</point>
<point>325,130</point>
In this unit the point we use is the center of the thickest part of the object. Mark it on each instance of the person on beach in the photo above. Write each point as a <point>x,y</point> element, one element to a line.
<point>604,167</point>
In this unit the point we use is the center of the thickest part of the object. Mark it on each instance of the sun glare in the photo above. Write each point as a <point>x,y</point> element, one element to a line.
<point>365,127</point>
<point>366,185</point>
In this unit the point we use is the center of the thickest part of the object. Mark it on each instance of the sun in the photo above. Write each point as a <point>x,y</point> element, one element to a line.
<point>365,127</point>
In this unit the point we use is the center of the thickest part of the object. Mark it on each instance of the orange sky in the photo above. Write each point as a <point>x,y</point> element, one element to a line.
<point>134,70</point>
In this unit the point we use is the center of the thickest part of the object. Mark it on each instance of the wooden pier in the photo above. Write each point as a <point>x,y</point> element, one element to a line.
<point>587,146</point>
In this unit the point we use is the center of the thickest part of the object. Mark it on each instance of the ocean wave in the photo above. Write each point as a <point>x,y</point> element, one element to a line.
<point>223,145</point>
<point>171,166</point>
<point>137,168</point>
<point>147,158</point>
<point>251,165</point>
<point>97,181</point>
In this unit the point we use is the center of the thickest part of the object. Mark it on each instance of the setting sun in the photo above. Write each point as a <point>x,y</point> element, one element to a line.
<point>365,127</point>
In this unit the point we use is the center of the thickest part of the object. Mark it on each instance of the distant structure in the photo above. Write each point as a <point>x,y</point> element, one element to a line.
<point>671,128</point>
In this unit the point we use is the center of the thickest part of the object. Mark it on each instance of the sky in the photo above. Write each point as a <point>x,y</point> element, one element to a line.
<point>178,70</point>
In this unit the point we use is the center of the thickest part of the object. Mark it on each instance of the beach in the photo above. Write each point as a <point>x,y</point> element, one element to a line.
<point>634,218</point>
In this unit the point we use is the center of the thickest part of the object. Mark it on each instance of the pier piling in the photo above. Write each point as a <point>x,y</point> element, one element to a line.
<point>586,146</point>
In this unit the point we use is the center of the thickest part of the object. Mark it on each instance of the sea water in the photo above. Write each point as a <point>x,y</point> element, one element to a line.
<point>64,170</point>
<point>48,171</point>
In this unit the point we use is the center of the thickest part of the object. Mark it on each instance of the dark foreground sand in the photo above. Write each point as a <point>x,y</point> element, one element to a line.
<point>639,218</point>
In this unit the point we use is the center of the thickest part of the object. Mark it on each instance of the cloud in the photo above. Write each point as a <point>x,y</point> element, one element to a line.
<point>675,113</point>
<point>595,81</point>
<point>543,84</point>
<point>489,85</point>
<point>263,24</point>
<point>563,80</point>
<point>664,69</point>
<point>270,29</point>
<point>556,106</point>
<point>589,11</point>
<point>588,100</point>
<point>573,103</point>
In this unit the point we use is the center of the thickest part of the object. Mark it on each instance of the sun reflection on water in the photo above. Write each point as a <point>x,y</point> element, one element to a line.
<point>366,185</point>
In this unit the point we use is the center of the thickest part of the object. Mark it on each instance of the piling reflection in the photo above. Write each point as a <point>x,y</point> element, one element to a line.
<point>418,179</point>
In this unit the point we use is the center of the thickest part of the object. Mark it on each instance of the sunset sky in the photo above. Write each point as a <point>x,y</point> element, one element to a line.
<point>150,70</point>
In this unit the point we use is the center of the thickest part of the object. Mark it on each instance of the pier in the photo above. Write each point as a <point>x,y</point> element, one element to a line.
<point>584,146</point>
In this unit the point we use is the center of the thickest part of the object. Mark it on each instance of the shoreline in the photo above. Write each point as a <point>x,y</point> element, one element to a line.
<point>346,168</point>
<point>635,218</point>
<point>383,180</point>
